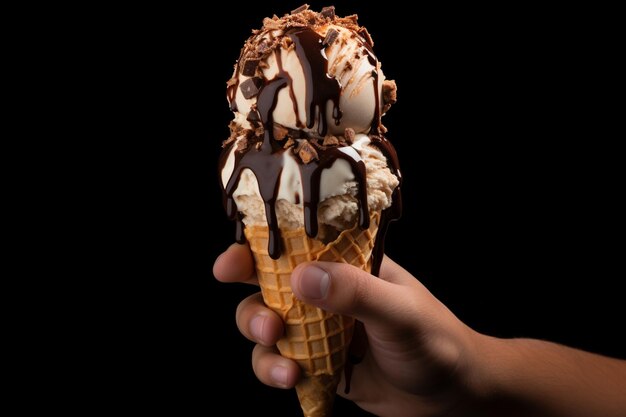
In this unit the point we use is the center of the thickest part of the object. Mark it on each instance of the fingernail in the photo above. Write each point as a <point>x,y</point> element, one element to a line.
<point>256,327</point>
<point>279,375</point>
<point>314,283</point>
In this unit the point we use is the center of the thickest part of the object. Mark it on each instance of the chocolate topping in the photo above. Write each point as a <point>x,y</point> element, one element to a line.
<point>366,35</point>
<point>330,140</point>
<point>290,142</point>
<point>320,88</point>
<point>280,132</point>
<point>250,66</point>
<point>300,9</point>
<point>253,116</point>
<point>250,88</point>
<point>307,152</point>
<point>328,12</point>
<point>331,35</point>
<point>390,94</point>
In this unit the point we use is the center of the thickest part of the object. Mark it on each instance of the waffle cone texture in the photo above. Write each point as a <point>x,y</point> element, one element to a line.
<point>317,340</point>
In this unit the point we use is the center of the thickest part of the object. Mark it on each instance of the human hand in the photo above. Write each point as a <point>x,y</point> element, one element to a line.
<point>416,353</point>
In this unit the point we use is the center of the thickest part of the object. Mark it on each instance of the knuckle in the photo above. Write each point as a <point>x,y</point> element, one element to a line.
<point>245,310</point>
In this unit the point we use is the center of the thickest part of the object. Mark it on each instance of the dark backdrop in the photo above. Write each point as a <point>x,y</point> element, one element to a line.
<point>505,133</point>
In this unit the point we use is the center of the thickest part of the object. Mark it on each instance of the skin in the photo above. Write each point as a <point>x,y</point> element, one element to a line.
<point>419,359</point>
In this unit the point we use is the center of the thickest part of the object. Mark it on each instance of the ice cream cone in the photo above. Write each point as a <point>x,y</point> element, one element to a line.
<point>317,340</point>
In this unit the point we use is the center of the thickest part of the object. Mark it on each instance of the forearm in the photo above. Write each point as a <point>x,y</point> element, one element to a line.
<point>525,377</point>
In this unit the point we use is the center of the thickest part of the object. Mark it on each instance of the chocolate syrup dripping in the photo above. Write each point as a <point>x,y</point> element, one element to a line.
<point>320,87</point>
<point>377,139</point>
<point>376,120</point>
<point>393,212</point>
<point>266,164</point>
<point>311,174</point>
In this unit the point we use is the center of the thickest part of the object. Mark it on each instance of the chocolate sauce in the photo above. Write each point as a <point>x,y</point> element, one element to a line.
<point>320,87</point>
<point>394,211</point>
<point>377,139</point>
<point>311,174</point>
<point>266,163</point>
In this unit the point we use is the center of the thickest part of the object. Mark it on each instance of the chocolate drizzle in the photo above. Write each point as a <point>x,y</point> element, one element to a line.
<point>311,175</point>
<point>266,164</point>
<point>393,212</point>
<point>320,87</point>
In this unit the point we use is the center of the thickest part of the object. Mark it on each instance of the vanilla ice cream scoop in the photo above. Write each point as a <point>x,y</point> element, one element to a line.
<point>307,147</point>
<point>333,65</point>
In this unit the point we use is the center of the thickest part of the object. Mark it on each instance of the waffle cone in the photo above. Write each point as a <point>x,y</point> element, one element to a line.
<point>317,340</point>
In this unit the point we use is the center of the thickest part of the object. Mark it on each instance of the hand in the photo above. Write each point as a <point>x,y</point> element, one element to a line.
<point>419,359</point>
<point>416,351</point>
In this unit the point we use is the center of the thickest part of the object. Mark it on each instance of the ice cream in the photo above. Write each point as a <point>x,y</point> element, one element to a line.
<point>307,171</point>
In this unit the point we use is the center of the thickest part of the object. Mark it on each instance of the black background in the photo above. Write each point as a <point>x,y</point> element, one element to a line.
<point>512,200</point>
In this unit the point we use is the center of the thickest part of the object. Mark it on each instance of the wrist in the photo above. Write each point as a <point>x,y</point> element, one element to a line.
<point>488,361</point>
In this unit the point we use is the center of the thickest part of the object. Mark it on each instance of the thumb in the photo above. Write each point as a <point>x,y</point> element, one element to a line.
<point>346,289</point>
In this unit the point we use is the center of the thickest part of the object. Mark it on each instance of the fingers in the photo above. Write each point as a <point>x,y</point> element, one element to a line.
<point>345,289</point>
<point>272,369</point>
<point>261,325</point>
<point>257,322</point>
<point>235,265</point>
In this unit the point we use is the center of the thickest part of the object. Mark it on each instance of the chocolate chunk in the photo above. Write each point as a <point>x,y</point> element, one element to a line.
<point>331,35</point>
<point>390,94</point>
<point>349,134</point>
<point>249,67</point>
<point>330,140</point>
<point>263,47</point>
<point>253,116</point>
<point>287,43</point>
<point>290,142</point>
<point>280,132</point>
<point>328,12</point>
<point>366,35</point>
<point>307,152</point>
<point>300,9</point>
<point>271,23</point>
<point>250,88</point>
